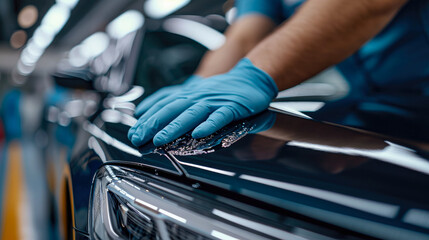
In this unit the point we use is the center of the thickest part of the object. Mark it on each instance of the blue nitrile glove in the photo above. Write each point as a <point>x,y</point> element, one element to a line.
<point>162,93</point>
<point>207,106</point>
<point>263,122</point>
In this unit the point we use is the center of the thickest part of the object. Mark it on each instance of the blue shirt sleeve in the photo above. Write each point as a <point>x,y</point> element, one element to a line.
<point>270,8</point>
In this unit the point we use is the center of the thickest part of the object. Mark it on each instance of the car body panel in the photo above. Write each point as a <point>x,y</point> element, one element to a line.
<point>348,181</point>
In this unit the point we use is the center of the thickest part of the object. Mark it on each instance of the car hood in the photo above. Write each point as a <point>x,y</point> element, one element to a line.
<point>353,179</point>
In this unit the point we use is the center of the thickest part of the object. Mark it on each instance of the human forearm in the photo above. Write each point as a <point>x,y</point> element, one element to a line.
<point>220,60</point>
<point>241,37</point>
<point>321,34</point>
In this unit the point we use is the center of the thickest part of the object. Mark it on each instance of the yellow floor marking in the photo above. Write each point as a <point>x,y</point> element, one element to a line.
<point>14,195</point>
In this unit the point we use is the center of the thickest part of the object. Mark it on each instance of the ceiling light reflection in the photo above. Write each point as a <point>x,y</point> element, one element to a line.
<point>33,49</point>
<point>174,216</point>
<point>230,15</point>
<point>256,226</point>
<point>134,93</point>
<point>94,145</point>
<point>94,45</point>
<point>127,22</point>
<point>74,108</point>
<point>124,105</point>
<point>28,58</point>
<point>75,57</point>
<point>145,204</point>
<point>163,8</point>
<point>114,116</point>
<point>283,107</point>
<point>24,69</point>
<point>128,120</point>
<point>53,113</point>
<point>205,35</point>
<point>53,21</point>
<point>68,3</point>
<point>393,154</point>
<point>300,106</point>
<point>222,236</point>
<point>42,37</point>
<point>417,217</point>
<point>111,116</point>
<point>309,90</point>
<point>56,17</point>
<point>120,191</point>
<point>189,198</point>
<point>64,119</point>
<point>103,136</point>
<point>370,206</point>
<point>90,48</point>
<point>215,170</point>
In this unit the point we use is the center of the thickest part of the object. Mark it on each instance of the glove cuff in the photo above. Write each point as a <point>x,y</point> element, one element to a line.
<point>266,82</point>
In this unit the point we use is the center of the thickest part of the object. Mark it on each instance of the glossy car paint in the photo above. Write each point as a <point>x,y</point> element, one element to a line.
<point>303,168</point>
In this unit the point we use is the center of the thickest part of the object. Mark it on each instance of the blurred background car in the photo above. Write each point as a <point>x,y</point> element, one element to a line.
<point>69,171</point>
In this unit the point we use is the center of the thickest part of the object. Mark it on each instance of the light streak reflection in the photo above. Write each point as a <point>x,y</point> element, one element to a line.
<point>215,170</point>
<point>256,226</point>
<point>125,23</point>
<point>174,216</point>
<point>370,206</point>
<point>97,132</point>
<point>393,154</point>
<point>222,236</point>
<point>162,8</point>
<point>196,31</point>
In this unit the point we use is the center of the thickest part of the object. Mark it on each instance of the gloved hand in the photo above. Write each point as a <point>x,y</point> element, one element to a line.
<point>206,106</point>
<point>162,93</point>
<point>252,125</point>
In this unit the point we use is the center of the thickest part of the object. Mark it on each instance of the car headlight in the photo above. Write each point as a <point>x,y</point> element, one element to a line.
<point>126,204</point>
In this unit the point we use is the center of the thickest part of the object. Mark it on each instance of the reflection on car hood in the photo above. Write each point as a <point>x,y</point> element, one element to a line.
<point>335,174</point>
